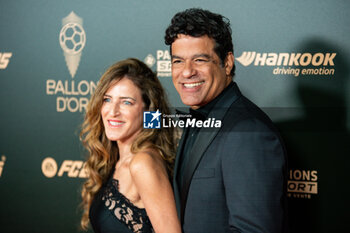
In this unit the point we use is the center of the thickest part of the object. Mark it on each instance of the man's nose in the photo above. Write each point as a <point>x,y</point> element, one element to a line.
<point>188,70</point>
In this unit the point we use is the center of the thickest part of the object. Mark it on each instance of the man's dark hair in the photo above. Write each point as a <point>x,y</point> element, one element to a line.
<point>197,22</point>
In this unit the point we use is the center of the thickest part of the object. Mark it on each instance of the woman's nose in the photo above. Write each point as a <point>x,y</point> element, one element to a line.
<point>114,110</point>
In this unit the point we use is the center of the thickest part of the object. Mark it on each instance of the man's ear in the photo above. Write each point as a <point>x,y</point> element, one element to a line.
<point>229,62</point>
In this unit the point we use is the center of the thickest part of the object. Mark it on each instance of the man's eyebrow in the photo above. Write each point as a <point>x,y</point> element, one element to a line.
<point>202,55</point>
<point>175,57</point>
<point>194,56</point>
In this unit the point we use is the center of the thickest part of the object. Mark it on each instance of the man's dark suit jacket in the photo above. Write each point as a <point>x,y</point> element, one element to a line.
<point>235,179</point>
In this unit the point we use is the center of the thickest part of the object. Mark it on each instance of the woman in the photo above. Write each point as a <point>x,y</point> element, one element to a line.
<point>128,188</point>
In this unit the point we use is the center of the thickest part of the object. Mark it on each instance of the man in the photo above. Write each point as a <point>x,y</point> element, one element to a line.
<point>232,178</point>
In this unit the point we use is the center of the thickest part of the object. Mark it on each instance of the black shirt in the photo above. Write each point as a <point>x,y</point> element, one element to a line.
<point>190,134</point>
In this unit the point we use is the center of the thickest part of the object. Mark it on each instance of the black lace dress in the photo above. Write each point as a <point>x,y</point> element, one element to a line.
<point>112,212</point>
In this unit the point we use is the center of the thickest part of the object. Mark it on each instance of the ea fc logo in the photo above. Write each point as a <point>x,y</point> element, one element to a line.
<point>151,120</point>
<point>49,167</point>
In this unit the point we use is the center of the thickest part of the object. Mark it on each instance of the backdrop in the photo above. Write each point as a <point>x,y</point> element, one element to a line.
<point>292,60</point>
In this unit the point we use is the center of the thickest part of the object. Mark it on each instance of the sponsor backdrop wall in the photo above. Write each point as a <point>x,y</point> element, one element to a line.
<point>292,59</point>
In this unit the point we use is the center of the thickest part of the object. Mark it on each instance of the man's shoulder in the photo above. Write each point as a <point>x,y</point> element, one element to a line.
<point>244,114</point>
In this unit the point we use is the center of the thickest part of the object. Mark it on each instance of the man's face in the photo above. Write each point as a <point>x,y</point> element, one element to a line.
<point>198,75</point>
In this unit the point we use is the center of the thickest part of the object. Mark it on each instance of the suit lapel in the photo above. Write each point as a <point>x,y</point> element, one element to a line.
<point>176,168</point>
<point>204,138</point>
<point>202,142</point>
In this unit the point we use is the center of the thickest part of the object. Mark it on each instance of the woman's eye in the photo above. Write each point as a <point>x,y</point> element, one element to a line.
<point>127,102</point>
<point>106,100</point>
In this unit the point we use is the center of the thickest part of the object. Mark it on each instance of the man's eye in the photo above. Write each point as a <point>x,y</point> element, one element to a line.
<point>176,61</point>
<point>201,60</point>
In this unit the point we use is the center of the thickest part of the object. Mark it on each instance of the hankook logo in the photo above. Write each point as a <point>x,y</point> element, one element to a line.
<point>289,63</point>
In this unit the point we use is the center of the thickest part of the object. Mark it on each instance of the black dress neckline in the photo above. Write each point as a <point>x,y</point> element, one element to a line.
<point>112,212</point>
<point>115,183</point>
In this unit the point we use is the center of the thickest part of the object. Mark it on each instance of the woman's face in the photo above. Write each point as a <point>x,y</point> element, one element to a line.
<point>122,111</point>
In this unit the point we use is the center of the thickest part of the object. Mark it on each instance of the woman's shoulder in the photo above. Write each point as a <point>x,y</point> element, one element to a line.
<point>145,162</point>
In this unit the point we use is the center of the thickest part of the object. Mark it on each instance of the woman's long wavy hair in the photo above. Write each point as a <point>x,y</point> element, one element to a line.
<point>103,153</point>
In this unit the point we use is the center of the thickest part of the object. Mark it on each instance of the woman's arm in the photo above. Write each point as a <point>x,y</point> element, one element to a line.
<point>151,180</point>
